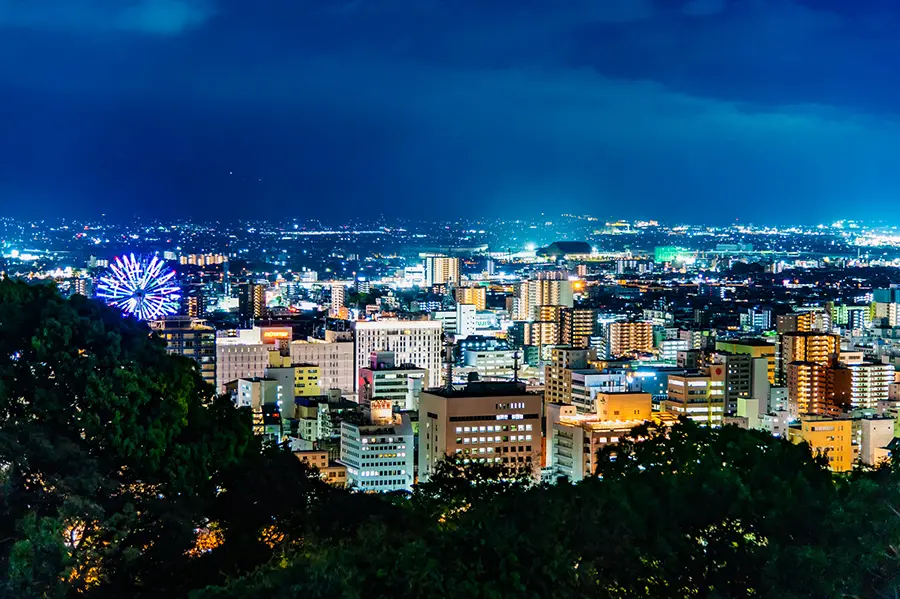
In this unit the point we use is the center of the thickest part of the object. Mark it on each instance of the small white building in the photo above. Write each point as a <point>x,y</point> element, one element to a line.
<point>379,454</point>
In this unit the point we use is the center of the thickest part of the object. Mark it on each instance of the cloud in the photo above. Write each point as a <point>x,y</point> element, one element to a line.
<point>159,17</point>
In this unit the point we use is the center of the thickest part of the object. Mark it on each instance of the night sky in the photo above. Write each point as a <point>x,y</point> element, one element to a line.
<point>767,111</point>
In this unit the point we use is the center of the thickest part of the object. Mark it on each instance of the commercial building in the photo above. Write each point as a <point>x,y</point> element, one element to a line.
<point>829,437</point>
<point>756,348</point>
<point>378,454</point>
<point>573,441</point>
<point>698,396</point>
<point>335,360</point>
<point>460,322</point>
<point>302,379</point>
<point>441,270</point>
<point>412,342</point>
<point>477,296</point>
<point>558,372</point>
<point>590,388</point>
<point>191,338</point>
<point>384,379</point>
<point>629,337</point>
<point>491,363</point>
<point>873,433</point>
<point>497,422</point>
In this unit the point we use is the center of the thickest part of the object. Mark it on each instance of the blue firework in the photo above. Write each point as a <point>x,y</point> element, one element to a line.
<point>141,287</point>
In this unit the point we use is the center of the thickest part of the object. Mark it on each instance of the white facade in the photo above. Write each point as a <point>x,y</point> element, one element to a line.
<point>235,360</point>
<point>491,363</point>
<point>587,383</point>
<point>461,322</point>
<point>413,342</point>
<point>669,348</point>
<point>334,359</point>
<point>379,458</point>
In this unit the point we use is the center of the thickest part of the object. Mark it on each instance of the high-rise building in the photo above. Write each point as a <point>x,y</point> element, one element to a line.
<point>441,270</point>
<point>338,297</point>
<point>808,389</point>
<point>756,348</point>
<point>488,422</point>
<point>700,397</point>
<point>413,342</point>
<point>378,454</point>
<point>577,326</point>
<point>629,337</point>
<point>251,302</point>
<point>558,372</point>
<point>820,348</point>
<point>192,338</point>
<point>861,385</point>
<point>532,294</point>
<point>591,389</point>
<point>384,379</point>
<point>476,296</point>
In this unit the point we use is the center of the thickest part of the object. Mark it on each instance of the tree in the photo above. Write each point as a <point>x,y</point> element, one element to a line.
<point>109,448</point>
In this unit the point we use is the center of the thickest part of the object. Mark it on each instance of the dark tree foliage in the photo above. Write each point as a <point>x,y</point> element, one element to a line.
<point>109,448</point>
<point>695,512</point>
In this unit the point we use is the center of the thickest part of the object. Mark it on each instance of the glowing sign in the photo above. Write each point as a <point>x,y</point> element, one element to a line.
<point>272,336</point>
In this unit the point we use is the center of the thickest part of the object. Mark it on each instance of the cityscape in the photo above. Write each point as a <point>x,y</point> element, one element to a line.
<point>449,299</point>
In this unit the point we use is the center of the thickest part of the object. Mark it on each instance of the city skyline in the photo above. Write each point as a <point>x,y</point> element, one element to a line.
<point>772,110</point>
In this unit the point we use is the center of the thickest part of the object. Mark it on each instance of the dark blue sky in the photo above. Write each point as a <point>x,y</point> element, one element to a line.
<point>685,110</point>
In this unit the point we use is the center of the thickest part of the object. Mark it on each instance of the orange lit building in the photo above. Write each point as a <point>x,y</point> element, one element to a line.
<point>830,437</point>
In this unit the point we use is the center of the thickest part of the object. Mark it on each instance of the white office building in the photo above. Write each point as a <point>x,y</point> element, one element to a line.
<point>379,454</point>
<point>412,342</point>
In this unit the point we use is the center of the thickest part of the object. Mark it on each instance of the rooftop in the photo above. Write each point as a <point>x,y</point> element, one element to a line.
<point>483,389</point>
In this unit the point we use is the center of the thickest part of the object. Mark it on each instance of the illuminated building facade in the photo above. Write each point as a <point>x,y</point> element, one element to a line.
<point>829,437</point>
<point>379,454</point>
<point>629,337</point>
<point>476,296</point>
<point>191,338</point>
<point>441,270</point>
<point>488,422</point>
<point>412,342</point>
<point>700,397</point>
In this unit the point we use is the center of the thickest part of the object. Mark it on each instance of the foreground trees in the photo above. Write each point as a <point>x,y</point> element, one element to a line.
<point>122,476</point>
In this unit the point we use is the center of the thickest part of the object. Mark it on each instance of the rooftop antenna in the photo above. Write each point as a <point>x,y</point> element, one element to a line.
<point>448,363</point>
<point>516,366</point>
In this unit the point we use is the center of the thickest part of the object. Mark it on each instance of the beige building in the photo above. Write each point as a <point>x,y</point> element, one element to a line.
<point>629,337</point>
<point>700,397</point>
<point>497,422</point>
<point>862,384</point>
<point>558,372</point>
<point>334,359</point>
<point>532,294</point>
<point>331,472</point>
<point>441,270</point>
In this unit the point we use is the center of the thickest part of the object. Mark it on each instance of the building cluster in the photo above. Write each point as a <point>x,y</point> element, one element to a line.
<point>374,360</point>
<point>537,374</point>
